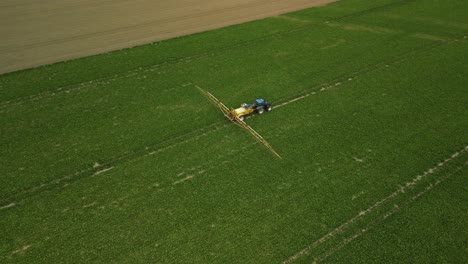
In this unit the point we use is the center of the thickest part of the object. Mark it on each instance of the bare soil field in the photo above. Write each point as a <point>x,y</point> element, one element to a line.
<point>35,33</point>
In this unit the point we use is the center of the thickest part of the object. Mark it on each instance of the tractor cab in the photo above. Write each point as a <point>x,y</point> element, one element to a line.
<point>261,105</point>
<point>259,102</point>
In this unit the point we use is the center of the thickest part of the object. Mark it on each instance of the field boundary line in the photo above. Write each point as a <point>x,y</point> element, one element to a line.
<point>406,185</point>
<point>175,61</point>
<point>394,210</point>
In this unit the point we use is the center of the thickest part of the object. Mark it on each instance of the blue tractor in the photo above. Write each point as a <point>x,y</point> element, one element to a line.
<point>259,106</point>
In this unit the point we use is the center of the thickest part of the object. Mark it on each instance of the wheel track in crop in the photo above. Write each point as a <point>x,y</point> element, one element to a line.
<point>193,173</point>
<point>362,71</point>
<point>112,162</point>
<point>175,61</point>
<point>429,187</point>
<point>405,187</point>
<point>138,154</point>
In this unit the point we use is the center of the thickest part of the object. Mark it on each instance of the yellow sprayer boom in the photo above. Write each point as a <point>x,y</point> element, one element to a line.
<point>215,100</point>
<point>234,118</point>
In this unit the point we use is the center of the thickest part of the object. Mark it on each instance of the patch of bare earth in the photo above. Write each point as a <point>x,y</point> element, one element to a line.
<point>21,250</point>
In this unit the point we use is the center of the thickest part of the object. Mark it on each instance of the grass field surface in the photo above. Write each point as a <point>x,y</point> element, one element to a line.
<point>118,157</point>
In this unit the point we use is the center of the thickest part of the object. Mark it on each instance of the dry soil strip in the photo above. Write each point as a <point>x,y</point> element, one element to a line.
<point>65,32</point>
<point>405,186</point>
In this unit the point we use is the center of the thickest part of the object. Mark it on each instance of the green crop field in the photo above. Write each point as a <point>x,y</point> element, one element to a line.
<point>119,158</point>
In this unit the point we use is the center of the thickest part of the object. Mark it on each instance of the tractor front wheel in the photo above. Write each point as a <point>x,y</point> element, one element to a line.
<point>268,108</point>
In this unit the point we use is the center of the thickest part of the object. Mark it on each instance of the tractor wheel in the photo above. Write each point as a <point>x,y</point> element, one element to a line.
<point>260,111</point>
<point>268,108</point>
